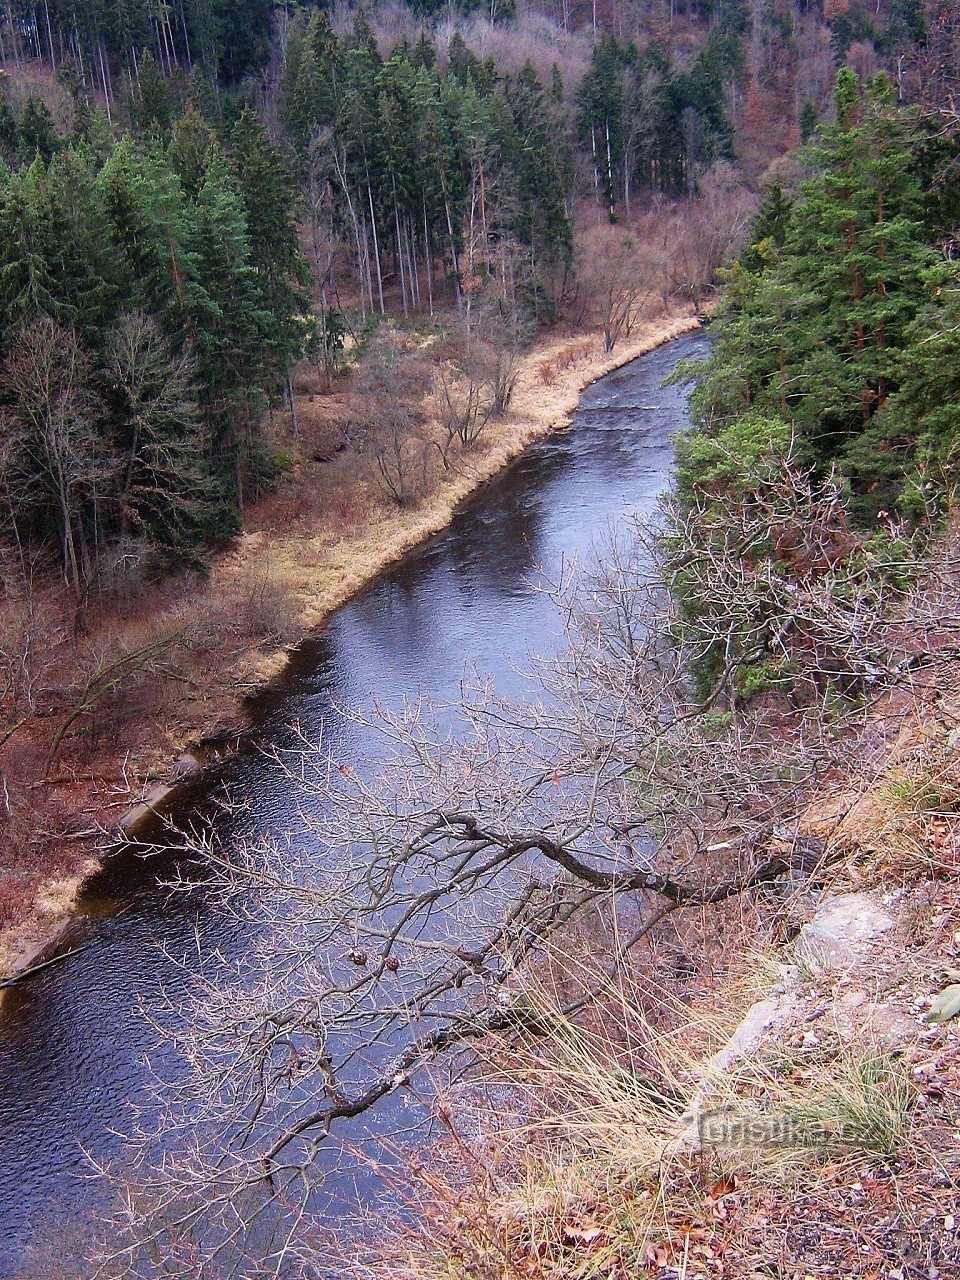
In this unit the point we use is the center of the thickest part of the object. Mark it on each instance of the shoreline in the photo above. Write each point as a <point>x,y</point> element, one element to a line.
<point>322,573</point>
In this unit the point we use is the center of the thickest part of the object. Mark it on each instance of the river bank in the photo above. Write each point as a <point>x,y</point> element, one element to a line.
<point>306,550</point>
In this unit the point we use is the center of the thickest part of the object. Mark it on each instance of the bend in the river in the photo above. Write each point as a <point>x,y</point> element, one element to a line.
<point>73,1040</point>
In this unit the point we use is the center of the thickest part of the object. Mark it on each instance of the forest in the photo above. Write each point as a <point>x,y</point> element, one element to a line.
<point>282,286</point>
<point>446,182</point>
<point>252,181</point>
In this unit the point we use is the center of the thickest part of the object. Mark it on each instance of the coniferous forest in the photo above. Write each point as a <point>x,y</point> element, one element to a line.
<point>230,188</point>
<point>154,285</point>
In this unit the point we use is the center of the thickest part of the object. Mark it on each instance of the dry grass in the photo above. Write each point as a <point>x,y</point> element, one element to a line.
<point>308,547</point>
<point>900,825</point>
<point>594,1167</point>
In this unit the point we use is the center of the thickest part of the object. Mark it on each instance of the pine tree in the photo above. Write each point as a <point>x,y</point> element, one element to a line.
<point>819,313</point>
<point>36,133</point>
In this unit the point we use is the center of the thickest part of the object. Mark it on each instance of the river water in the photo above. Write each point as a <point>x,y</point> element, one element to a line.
<point>74,1040</point>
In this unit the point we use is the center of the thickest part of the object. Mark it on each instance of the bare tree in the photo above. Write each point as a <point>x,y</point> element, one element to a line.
<point>774,574</point>
<point>705,230</point>
<point>465,400</point>
<point>52,456</point>
<point>392,386</point>
<point>162,489</point>
<point>505,329</point>
<point>397,921</point>
<point>619,279</point>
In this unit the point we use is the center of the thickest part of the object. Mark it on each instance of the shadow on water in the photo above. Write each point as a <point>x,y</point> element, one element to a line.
<point>74,1039</point>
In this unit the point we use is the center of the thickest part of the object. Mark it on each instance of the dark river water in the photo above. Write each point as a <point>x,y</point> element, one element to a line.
<point>73,1040</point>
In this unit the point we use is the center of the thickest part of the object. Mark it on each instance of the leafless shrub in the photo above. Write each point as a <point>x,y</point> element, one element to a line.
<point>263,609</point>
<point>573,354</point>
<point>778,576</point>
<point>465,403</point>
<point>443,872</point>
<point>392,383</point>
<point>505,331</point>
<point>116,682</point>
<point>620,276</point>
<point>702,232</point>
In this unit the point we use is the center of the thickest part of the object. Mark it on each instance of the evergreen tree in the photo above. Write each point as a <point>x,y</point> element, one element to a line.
<point>9,135</point>
<point>165,489</point>
<point>190,147</point>
<point>36,132</point>
<point>819,312</point>
<point>265,188</point>
<point>145,214</point>
<point>229,317</point>
<point>150,109</point>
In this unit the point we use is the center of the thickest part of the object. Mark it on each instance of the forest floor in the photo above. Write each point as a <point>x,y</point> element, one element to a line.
<point>132,693</point>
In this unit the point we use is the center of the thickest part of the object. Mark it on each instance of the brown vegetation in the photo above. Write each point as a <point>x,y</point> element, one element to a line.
<point>736,1104</point>
<point>100,696</point>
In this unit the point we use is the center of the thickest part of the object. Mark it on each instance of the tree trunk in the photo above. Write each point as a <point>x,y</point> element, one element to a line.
<point>376,248</point>
<point>428,254</point>
<point>399,254</point>
<point>294,424</point>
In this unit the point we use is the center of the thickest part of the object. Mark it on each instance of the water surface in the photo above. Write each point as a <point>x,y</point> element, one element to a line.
<point>73,1041</point>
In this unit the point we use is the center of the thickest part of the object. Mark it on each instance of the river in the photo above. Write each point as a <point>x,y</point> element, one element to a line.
<point>74,1039</point>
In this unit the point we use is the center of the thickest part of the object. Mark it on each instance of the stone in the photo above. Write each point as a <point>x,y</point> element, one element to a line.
<point>843,931</point>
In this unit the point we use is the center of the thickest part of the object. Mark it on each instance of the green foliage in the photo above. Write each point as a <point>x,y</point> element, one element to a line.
<point>761,677</point>
<point>150,109</point>
<point>837,317</point>
<point>326,340</point>
<point>167,278</point>
<point>729,463</point>
<point>809,119</point>
<point>36,133</point>
<point>264,186</point>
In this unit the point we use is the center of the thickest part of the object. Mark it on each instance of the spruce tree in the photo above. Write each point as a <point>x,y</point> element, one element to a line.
<point>819,312</point>
<point>230,328</point>
<point>266,191</point>
<point>36,132</point>
<point>166,490</point>
<point>150,110</point>
<point>192,141</point>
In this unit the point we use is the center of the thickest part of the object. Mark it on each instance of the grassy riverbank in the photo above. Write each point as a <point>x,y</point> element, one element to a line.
<point>125,696</point>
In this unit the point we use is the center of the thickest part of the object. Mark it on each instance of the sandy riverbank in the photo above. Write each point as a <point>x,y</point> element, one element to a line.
<point>312,565</point>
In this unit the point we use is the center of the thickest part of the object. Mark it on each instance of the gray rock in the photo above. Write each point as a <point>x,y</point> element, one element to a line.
<point>843,931</point>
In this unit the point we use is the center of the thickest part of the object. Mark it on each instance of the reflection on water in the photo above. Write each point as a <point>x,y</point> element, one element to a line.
<point>73,1040</point>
